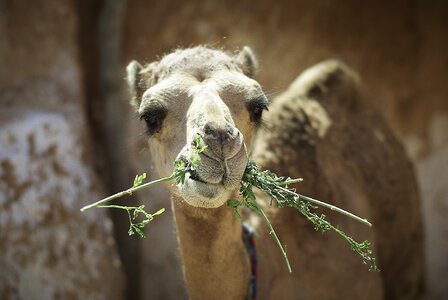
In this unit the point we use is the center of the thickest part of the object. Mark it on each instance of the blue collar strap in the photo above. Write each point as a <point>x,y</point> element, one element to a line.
<point>249,243</point>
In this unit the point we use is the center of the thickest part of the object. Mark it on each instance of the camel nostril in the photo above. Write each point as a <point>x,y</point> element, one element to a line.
<point>222,140</point>
<point>230,130</point>
<point>213,131</point>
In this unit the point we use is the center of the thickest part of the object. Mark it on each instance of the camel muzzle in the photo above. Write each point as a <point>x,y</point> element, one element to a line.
<point>223,141</point>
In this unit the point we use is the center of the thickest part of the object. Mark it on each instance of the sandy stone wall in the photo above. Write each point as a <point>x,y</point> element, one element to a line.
<point>49,249</point>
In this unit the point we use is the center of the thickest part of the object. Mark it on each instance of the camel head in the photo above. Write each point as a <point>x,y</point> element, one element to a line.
<point>206,92</point>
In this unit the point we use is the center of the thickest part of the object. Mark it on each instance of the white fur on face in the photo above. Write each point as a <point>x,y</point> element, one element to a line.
<point>204,195</point>
<point>221,100</point>
<point>213,194</point>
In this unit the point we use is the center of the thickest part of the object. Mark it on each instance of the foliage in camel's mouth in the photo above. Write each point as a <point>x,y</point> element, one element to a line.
<point>195,176</point>
<point>268,182</point>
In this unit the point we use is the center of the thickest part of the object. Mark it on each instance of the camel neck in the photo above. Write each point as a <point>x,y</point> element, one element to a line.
<point>214,256</point>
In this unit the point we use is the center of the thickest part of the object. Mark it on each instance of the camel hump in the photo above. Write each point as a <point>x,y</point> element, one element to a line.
<point>324,129</point>
<point>314,102</point>
<point>329,81</point>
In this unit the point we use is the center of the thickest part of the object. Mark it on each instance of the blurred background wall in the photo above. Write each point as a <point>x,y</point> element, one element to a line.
<point>68,135</point>
<point>48,248</point>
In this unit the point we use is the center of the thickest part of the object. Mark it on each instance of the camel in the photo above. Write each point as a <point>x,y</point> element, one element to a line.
<point>321,129</point>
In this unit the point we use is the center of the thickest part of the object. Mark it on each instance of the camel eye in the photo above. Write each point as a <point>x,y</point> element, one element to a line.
<point>256,107</point>
<point>256,113</point>
<point>154,120</point>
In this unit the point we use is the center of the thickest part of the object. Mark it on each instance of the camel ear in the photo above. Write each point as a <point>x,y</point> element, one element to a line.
<point>247,61</point>
<point>139,79</point>
<point>133,77</point>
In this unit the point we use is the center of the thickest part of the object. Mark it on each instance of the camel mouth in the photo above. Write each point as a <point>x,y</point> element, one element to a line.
<point>210,183</point>
<point>199,193</point>
<point>200,184</point>
<point>195,176</point>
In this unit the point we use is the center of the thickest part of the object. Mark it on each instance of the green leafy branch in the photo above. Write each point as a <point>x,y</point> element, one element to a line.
<point>270,183</point>
<point>133,213</point>
<point>249,201</point>
<point>181,168</point>
<point>277,188</point>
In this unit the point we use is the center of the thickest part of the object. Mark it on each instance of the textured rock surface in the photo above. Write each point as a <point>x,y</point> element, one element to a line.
<point>432,172</point>
<point>49,249</point>
<point>398,47</point>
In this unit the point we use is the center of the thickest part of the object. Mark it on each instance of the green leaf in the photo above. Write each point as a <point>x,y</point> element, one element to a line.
<point>159,212</point>
<point>250,194</point>
<point>138,210</point>
<point>130,231</point>
<point>139,231</point>
<point>197,141</point>
<point>139,179</point>
<point>135,214</point>
<point>194,162</point>
<point>236,214</point>
<point>233,203</point>
<point>180,164</point>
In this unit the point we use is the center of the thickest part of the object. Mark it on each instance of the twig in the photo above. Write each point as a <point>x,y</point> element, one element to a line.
<point>331,207</point>
<point>274,235</point>
<point>128,192</point>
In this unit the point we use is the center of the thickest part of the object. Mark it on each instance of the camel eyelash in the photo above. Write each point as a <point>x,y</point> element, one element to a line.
<point>256,107</point>
<point>154,120</point>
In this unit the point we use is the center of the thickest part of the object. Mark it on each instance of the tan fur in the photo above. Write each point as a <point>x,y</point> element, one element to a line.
<point>319,129</point>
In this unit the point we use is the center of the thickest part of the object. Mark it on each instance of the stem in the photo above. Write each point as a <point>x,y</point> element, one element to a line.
<point>128,191</point>
<point>292,181</point>
<point>274,234</point>
<point>130,218</point>
<point>115,206</point>
<point>332,207</point>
